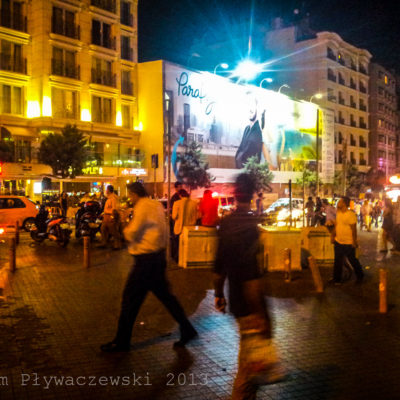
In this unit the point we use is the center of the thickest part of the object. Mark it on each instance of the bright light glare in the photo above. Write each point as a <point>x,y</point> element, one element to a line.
<point>247,70</point>
<point>318,96</point>
<point>224,65</point>
<point>269,80</point>
<point>1,231</point>
<point>394,179</point>
<point>215,194</point>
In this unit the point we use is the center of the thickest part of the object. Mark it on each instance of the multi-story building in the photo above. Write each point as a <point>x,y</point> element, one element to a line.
<point>68,62</point>
<point>323,63</point>
<point>383,120</point>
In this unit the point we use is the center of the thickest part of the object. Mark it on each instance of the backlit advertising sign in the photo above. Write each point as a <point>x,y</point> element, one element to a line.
<point>235,122</point>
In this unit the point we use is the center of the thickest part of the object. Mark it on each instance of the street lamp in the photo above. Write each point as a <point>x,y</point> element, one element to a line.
<point>318,96</point>
<point>269,80</point>
<point>222,65</point>
<point>247,70</point>
<point>284,85</point>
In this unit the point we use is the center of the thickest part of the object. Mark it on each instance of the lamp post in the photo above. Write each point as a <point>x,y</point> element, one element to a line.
<point>316,95</point>
<point>269,80</point>
<point>222,65</point>
<point>283,86</point>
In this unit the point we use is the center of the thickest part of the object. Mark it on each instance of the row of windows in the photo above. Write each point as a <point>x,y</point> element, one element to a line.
<point>349,101</point>
<point>351,83</point>
<point>390,156</point>
<point>387,81</point>
<point>342,119</point>
<point>351,158</point>
<point>387,110</point>
<point>386,125</point>
<point>361,142</point>
<point>346,61</point>
<point>388,96</point>
<point>383,139</point>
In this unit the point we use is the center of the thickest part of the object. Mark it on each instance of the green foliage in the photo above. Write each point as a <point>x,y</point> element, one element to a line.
<point>260,172</point>
<point>309,177</point>
<point>65,153</point>
<point>355,181</point>
<point>192,167</point>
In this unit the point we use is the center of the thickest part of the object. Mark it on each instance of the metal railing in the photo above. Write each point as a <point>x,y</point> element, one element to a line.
<point>108,5</point>
<point>69,30</point>
<point>103,78</point>
<point>14,21</point>
<point>61,68</point>
<point>7,63</point>
<point>108,43</point>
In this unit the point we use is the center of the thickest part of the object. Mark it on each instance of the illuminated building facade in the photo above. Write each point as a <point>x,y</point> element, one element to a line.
<point>383,112</point>
<point>323,62</point>
<point>68,62</point>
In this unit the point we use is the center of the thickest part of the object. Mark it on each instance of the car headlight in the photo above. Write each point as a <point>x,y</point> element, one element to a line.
<point>283,215</point>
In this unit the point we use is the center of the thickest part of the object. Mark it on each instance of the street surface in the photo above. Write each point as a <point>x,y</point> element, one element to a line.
<point>55,314</point>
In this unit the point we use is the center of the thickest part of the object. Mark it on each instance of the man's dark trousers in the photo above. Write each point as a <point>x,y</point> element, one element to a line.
<point>342,251</point>
<point>147,274</point>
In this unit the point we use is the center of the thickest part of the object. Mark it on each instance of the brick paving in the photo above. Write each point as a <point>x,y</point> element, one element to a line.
<point>56,314</point>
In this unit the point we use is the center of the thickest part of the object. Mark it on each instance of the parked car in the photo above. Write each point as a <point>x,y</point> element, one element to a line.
<point>279,211</point>
<point>17,208</point>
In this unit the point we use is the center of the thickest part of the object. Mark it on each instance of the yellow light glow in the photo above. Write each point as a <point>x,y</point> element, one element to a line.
<point>318,95</point>
<point>101,171</point>
<point>85,115</point>
<point>395,179</point>
<point>33,109</point>
<point>28,181</point>
<point>386,80</point>
<point>139,127</point>
<point>128,181</point>
<point>118,121</point>
<point>46,108</point>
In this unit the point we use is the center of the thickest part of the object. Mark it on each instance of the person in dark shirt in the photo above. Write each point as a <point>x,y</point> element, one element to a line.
<point>237,260</point>
<point>174,238</point>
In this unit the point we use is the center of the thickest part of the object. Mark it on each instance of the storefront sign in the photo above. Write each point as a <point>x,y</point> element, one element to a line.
<point>134,171</point>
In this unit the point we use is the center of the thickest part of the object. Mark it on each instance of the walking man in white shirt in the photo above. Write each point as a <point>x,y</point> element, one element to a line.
<point>345,241</point>
<point>147,236</point>
<point>111,220</point>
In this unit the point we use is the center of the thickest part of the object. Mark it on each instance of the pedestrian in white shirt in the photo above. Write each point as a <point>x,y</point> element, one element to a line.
<point>147,236</point>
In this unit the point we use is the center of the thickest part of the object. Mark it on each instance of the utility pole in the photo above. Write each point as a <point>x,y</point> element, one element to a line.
<point>344,167</point>
<point>317,152</point>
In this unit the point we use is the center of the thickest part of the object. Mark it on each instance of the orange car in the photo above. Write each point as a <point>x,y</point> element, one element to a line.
<point>17,208</point>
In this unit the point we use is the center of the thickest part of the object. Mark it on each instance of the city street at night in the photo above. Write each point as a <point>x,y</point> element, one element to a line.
<point>55,314</point>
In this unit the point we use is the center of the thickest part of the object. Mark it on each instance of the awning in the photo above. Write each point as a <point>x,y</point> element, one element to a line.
<point>21,131</point>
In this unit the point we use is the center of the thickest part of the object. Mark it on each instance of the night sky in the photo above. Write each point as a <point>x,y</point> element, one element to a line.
<point>182,31</point>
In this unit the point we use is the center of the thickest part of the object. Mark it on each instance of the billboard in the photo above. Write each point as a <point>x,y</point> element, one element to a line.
<point>235,122</point>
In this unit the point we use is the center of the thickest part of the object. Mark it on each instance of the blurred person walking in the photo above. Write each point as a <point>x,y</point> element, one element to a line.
<point>330,212</point>
<point>344,237</point>
<point>147,235</point>
<point>208,209</point>
<point>174,239</point>
<point>111,220</point>
<point>310,205</point>
<point>237,261</point>
<point>64,203</point>
<point>387,225</point>
<point>259,204</point>
<point>366,211</point>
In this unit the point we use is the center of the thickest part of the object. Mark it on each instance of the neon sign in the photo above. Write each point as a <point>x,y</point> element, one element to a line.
<point>134,171</point>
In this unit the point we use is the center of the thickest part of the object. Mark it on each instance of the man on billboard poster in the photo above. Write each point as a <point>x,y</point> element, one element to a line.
<point>251,144</point>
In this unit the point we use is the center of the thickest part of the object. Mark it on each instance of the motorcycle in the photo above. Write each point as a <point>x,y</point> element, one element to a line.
<point>55,229</point>
<point>88,220</point>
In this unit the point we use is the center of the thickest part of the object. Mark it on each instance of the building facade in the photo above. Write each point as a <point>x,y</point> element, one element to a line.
<point>383,120</point>
<point>323,63</point>
<point>68,62</point>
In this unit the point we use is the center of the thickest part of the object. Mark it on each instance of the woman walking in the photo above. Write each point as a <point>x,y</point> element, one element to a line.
<point>387,225</point>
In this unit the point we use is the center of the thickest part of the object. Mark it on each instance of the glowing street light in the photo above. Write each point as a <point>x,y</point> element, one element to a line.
<point>247,70</point>
<point>317,96</point>
<point>283,86</point>
<point>222,65</point>
<point>269,80</point>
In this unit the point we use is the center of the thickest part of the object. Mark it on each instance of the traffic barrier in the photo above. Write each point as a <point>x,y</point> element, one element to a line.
<point>12,254</point>
<point>86,251</point>
<point>382,291</point>
<point>287,260</point>
<point>319,286</point>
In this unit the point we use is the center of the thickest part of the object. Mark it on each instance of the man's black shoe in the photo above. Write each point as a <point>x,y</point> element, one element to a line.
<point>186,337</point>
<point>113,347</point>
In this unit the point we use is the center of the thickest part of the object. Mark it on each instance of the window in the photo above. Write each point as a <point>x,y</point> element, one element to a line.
<point>101,34</point>
<point>11,57</point>
<point>102,110</point>
<point>11,99</point>
<point>126,50</point>
<point>102,72</point>
<point>381,139</point>
<point>126,15</point>
<point>63,23</point>
<point>330,54</point>
<point>63,63</point>
<point>126,84</point>
<point>381,91</point>
<point>126,116</point>
<point>64,103</point>
<point>12,15</point>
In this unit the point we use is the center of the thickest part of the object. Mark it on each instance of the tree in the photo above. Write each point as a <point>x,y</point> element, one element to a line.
<point>65,153</point>
<point>355,181</point>
<point>260,172</point>
<point>309,179</point>
<point>192,167</point>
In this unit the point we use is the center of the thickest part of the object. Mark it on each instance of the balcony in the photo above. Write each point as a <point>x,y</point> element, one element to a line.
<point>14,65</point>
<point>127,19</point>
<point>71,31</point>
<point>14,21</point>
<point>127,53</point>
<point>105,78</point>
<point>363,89</point>
<point>127,88</point>
<point>363,70</point>
<point>332,77</point>
<point>331,55</point>
<point>68,70</point>
<point>363,125</point>
<point>353,161</point>
<point>341,61</point>
<point>363,144</point>
<point>341,101</point>
<point>353,124</point>
<point>353,86</point>
<point>363,162</point>
<point>107,42</point>
<point>332,98</point>
<point>352,104</point>
<point>341,121</point>
<point>108,5</point>
<point>353,143</point>
<point>342,81</point>
<point>363,107</point>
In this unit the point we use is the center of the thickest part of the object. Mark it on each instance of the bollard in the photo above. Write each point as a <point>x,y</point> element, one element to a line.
<point>17,232</point>
<point>382,291</point>
<point>86,251</point>
<point>13,248</point>
<point>287,259</point>
<point>316,275</point>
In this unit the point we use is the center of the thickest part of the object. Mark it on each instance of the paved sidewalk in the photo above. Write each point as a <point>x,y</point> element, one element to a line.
<point>334,346</point>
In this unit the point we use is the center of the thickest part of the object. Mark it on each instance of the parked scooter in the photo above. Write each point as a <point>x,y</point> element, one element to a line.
<point>88,220</point>
<point>55,229</point>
